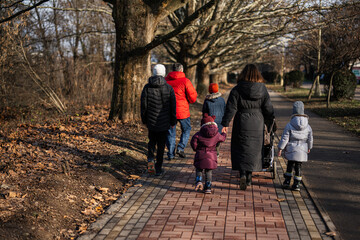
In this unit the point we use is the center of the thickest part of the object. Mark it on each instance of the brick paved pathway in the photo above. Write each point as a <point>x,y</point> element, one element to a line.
<point>167,207</point>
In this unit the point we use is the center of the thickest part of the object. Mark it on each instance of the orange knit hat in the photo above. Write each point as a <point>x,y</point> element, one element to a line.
<point>213,88</point>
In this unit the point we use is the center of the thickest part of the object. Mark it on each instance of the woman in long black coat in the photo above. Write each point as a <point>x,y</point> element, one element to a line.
<point>250,102</point>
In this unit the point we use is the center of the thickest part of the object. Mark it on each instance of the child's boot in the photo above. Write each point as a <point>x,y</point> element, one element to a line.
<point>198,184</point>
<point>207,187</point>
<point>296,185</point>
<point>151,166</point>
<point>287,176</point>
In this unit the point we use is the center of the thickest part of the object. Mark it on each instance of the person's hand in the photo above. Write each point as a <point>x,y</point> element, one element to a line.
<point>309,151</point>
<point>279,153</point>
<point>224,130</point>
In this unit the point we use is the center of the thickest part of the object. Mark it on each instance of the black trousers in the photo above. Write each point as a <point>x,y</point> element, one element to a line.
<point>293,164</point>
<point>157,140</point>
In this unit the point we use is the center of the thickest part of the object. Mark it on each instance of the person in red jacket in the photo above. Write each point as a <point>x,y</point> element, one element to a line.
<point>185,94</point>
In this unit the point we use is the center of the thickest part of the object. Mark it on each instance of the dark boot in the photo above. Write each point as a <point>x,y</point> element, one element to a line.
<point>248,178</point>
<point>296,185</point>
<point>286,183</point>
<point>242,181</point>
<point>207,188</point>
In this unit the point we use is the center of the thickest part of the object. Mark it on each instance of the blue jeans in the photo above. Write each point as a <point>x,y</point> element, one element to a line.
<point>184,138</point>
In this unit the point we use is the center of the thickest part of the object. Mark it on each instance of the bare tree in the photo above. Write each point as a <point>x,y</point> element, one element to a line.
<point>135,37</point>
<point>231,34</point>
<point>339,45</point>
<point>18,8</point>
<point>69,46</point>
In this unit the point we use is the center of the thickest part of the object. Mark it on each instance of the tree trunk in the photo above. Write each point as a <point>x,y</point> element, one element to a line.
<point>282,70</point>
<point>219,78</point>
<point>203,77</point>
<point>190,71</point>
<point>134,25</point>
<point>312,87</point>
<point>317,86</point>
<point>329,91</point>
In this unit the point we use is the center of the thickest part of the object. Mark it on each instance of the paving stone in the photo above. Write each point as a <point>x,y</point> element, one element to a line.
<point>168,207</point>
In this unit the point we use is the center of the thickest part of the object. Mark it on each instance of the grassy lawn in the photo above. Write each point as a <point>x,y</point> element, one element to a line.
<point>345,113</point>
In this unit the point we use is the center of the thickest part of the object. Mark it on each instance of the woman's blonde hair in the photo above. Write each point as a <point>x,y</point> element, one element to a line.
<point>250,73</point>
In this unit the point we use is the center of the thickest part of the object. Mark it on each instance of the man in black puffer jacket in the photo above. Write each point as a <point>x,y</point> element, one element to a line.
<point>158,113</point>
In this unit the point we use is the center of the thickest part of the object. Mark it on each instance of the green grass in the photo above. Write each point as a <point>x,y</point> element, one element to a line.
<point>345,113</point>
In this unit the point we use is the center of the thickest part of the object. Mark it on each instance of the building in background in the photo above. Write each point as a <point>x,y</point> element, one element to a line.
<point>356,71</point>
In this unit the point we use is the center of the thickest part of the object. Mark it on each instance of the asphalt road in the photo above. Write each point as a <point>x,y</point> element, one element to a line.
<point>333,169</point>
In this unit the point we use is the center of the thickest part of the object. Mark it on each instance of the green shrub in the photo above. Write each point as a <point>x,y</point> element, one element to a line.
<point>344,84</point>
<point>269,77</point>
<point>295,78</point>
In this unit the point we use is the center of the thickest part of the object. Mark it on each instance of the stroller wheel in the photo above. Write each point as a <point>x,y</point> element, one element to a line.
<point>274,170</point>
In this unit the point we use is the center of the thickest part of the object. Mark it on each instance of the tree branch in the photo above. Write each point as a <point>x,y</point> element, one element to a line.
<point>22,11</point>
<point>161,39</point>
<point>109,1</point>
<point>80,10</point>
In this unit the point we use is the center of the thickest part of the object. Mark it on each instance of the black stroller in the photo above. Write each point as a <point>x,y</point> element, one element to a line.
<point>269,165</point>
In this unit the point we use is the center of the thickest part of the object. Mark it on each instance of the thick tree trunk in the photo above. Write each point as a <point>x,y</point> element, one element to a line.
<point>219,78</point>
<point>203,77</point>
<point>134,25</point>
<point>190,71</point>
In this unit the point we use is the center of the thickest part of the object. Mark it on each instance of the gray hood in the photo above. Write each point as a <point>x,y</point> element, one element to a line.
<point>299,122</point>
<point>157,81</point>
<point>252,90</point>
<point>298,107</point>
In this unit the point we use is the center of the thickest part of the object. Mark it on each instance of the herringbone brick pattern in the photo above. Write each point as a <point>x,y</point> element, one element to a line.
<point>167,207</point>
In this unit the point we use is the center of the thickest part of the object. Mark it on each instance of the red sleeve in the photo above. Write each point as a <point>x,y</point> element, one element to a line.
<point>191,93</point>
<point>194,141</point>
<point>222,137</point>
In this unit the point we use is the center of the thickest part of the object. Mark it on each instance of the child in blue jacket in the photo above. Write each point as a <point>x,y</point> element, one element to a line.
<point>214,105</point>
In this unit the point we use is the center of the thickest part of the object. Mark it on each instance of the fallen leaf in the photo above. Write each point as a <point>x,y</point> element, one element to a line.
<point>331,234</point>
<point>99,208</point>
<point>88,211</point>
<point>71,196</point>
<point>82,228</point>
<point>11,173</point>
<point>105,190</point>
<point>111,198</point>
<point>138,185</point>
<point>98,197</point>
<point>13,194</point>
<point>134,177</point>
<point>280,199</point>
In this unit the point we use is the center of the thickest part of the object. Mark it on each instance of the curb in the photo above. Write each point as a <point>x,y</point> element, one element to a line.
<point>110,212</point>
<point>324,215</point>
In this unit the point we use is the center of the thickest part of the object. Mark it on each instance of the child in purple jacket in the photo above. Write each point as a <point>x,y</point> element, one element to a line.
<point>204,143</point>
